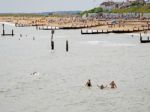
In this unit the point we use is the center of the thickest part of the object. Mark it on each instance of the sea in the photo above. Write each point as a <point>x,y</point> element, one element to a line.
<point>34,78</point>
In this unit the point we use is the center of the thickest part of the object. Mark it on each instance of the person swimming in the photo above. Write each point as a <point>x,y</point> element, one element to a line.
<point>102,86</point>
<point>88,83</point>
<point>113,85</point>
<point>35,73</point>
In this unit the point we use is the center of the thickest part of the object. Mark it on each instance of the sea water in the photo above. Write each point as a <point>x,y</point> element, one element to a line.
<point>33,78</point>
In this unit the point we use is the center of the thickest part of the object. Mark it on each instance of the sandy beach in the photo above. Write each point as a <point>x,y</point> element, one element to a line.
<point>74,21</point>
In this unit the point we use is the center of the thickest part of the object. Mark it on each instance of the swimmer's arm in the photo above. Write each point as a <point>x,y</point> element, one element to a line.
<point>115,85</point>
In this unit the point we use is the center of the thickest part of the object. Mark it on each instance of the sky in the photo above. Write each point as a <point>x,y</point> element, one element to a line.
<point>29,6</point>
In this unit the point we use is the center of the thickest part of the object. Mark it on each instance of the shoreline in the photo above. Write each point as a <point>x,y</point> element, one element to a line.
<point>78,23</point>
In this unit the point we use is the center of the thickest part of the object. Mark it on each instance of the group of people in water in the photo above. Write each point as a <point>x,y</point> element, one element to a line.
<point>112,85</point>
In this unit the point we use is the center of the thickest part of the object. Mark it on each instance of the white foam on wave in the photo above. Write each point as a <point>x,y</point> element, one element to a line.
<point>93,42</point>
<point>120,44</point>
<point>106,43</point>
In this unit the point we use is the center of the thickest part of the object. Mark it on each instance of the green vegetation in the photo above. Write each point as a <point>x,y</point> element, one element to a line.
<point>137,4</point>
<point>94,10</point>
<point>134,9</point>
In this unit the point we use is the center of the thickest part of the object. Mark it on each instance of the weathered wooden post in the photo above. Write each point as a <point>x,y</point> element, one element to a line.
<point>67,46</point>
<point>52,32</point>
<point>52,44</point>
<point>3,29</point>
<point>140,37</point>
<point>12,32</point>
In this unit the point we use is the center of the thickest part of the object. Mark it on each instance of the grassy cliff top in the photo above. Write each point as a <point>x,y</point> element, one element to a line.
<point>133,9</point>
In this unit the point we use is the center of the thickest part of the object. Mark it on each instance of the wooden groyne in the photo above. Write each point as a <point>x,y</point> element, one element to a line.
<point>63,28</point>
<point>48,28</point>
<point>27,25</point>
<point>90,31</point>
<point>126,31</point>
<point>79,27</point>
<point>71,27</point>
<point>83,32</point>
<point>144,41</point>
<point>7,34</point>
<point>22,25</point>
<point>131,30</point>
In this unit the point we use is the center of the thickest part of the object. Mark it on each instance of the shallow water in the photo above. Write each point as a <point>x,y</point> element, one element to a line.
<point>59,83</point>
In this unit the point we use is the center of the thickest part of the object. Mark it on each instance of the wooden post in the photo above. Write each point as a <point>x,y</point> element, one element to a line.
<point>140,37</point>
<point>52,45</point>
<point>3,29</point>
<point>67,46</point>
<point>12,32</point>
<point>52,32</point>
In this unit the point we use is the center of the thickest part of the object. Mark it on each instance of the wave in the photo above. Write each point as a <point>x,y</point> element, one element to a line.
<point>106,43</point>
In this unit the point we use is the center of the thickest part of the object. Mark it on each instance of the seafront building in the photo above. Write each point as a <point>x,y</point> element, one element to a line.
<point>139,1</point>
<point>109,5</point>
<point>148,2</point>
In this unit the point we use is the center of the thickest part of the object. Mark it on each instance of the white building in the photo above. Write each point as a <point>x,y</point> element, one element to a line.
<point>108,5</point>
<point>148,1</point>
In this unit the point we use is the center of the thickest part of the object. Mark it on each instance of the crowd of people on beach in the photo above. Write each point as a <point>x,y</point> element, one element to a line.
<point>112,85</point>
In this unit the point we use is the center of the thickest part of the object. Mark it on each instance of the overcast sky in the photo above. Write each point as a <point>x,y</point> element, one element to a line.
<point>47,5</point>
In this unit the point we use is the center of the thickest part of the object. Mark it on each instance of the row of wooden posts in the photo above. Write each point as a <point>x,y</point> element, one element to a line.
<point>67,45</point>
<point>52,42</point>
<point>113,31</point>
<point>53,45</point>
<point>7,34</point>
